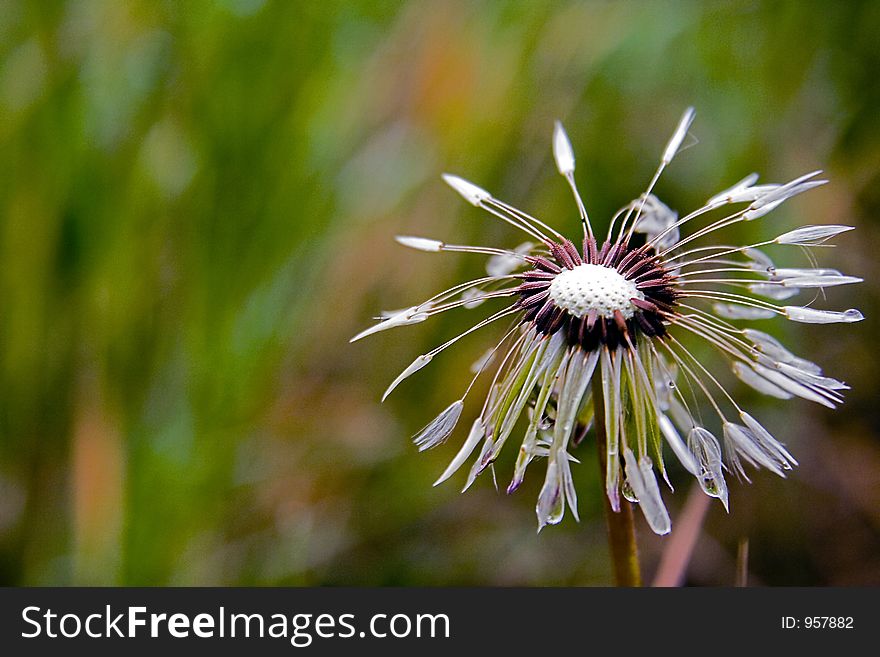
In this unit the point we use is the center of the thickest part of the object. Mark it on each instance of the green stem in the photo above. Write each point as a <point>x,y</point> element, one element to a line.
<point>621,528</point>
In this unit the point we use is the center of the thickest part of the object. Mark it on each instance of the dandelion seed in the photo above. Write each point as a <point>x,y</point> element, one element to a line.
<point>750,377</point>
<point>439,429</point>
<point>678,136</point>
<point>816,316</point>
<point>642,480</point>
<point>419,243</point>
<point>612,319</point>
<point>474,437</point>
<point>811,235</point>
<point>562,150</point>
<point>401,318</point>
<point>414,367</point>
<point>505,263</point>
<point>471,193</point>
<point>741,191</point>
<point>736,311</point>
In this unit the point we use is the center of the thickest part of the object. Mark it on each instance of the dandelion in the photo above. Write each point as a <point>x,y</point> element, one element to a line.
<point>601,334</point>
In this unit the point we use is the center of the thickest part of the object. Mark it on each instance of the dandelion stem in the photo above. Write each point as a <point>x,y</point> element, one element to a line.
<point>621,528</point>
<point>742,562</point>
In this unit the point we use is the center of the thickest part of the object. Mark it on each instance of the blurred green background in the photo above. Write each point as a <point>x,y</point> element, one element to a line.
<point>197,205</point>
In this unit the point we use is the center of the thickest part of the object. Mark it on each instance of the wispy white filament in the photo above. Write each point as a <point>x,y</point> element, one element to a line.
<point>773,291</point>
<point>809,378</point>
<point>736,311</point>
<point>811,235</point>
<point>776,350</point>
<point>678,136</point>
<point>757,212</point>
<point>734,191</point>
<point>504,263</point>
<point>794,387</point>
<point>771,447</point>
<point>751,378</point>
<point>439,428</point>
<point>789,189</point>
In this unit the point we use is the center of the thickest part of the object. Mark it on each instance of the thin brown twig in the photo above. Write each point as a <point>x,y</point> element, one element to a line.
<point>677,555</point>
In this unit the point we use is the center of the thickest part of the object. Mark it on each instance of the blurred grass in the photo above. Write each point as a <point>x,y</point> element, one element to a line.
<point>196,209</point>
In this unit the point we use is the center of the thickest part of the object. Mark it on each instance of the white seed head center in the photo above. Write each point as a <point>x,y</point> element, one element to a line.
<point>594,287</point>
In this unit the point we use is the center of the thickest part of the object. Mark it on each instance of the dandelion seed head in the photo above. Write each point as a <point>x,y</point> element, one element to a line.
<point>602,332</point>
